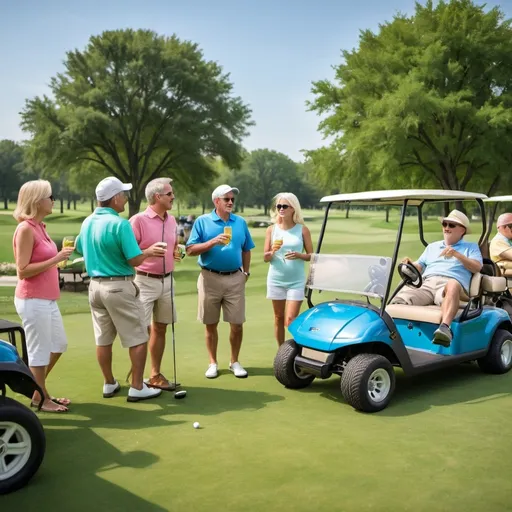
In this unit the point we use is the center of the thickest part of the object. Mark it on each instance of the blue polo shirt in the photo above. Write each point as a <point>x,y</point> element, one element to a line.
<point>221,257</point>
<point>435,265</point>
<point>107,242</point>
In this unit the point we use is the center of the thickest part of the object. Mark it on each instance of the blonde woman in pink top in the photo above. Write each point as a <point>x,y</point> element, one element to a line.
<point>37,290</point>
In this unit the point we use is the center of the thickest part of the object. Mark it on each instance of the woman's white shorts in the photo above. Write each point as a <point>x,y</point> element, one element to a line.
<point>282,293</point>
<point>44,329</point>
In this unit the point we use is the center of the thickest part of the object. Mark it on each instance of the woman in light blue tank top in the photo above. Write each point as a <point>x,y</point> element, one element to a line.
<point>285,242</point>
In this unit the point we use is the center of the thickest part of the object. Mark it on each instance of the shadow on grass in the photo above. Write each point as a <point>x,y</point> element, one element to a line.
<point>78,459</point>
<point>413,395</point>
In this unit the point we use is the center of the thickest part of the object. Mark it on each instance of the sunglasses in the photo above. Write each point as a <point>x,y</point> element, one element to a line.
<point>51,198</point>
<point>228,199</point>
<point>509,226</point>
<point>282,206</point>
<point>450,225</point>
<point>169,194</point>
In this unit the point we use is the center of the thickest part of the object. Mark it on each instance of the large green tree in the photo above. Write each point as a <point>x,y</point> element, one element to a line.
<point>11,169</point>
<point>425,101</point>
<point>141,106</point>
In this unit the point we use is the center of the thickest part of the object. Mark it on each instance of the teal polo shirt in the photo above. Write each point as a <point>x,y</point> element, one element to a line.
<point>224,258</point>
<point>107,242</point>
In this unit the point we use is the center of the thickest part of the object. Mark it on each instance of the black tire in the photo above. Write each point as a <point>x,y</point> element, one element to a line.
<point>494,361</point>
<point>355,381</point>
<point>15,413</point>
<point>284,367</point>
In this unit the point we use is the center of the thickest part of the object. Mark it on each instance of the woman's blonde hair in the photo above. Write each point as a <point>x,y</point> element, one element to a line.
<point>29,196</point>
<point>294,203</point>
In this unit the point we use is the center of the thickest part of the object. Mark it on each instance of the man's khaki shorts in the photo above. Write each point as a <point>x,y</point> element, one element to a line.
<point>431,292</point>
<point>116,309</point>
<point>155,295</point>
<point>216,292</point>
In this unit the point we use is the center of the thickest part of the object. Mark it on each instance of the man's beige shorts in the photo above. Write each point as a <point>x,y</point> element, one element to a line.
<point>216,292</point>
<point>155,295</point>
<point>116,309</point>
<point>431,292</point>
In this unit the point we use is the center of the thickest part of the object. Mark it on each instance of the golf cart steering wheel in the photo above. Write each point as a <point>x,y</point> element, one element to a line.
<point>410,275</point>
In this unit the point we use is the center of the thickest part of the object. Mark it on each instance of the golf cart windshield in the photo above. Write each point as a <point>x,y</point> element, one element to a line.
<point>349,273</point>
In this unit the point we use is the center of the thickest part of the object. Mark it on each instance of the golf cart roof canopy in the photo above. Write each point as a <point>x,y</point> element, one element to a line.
<point>397,197</point>
<point>499,199</point>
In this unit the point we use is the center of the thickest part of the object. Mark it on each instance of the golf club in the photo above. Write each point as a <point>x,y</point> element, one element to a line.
<point>182,393</point>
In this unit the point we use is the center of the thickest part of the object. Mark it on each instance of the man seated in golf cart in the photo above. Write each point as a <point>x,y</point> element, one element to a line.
<point>501,245</point>
<point>447,267</point>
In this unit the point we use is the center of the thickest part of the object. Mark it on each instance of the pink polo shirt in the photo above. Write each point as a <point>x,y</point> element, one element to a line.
<point>149,228</point>
<point>44,285</point>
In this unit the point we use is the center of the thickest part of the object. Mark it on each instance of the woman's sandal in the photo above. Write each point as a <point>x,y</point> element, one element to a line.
<point>46,409</point>
<point>61,401</point>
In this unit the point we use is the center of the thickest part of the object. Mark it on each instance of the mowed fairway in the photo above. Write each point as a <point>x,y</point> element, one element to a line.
<point>442,444</point>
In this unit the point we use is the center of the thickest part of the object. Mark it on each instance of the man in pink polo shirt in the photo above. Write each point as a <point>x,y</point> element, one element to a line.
<point>154,276</point>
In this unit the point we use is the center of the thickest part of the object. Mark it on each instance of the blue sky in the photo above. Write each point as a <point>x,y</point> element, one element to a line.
<point>272,49</point>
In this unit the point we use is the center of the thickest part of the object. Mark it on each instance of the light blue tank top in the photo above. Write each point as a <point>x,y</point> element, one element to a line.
<point>282,272</point>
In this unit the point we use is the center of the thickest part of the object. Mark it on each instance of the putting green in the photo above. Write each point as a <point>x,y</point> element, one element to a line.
<point>442,444</point>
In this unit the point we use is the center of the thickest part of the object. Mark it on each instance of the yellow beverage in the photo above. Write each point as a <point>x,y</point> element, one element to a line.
<point>278,243</point>
<point>229,233</point>
<point>68,241</point>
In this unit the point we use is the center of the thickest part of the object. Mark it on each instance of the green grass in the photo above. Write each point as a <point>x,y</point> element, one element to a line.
<point>442,444</point>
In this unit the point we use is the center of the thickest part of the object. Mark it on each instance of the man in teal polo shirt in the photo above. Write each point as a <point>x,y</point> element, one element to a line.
<point>223,243</point>
<point>111,252</point>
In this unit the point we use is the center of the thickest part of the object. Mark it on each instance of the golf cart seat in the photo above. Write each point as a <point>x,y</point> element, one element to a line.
<point>480,285</point>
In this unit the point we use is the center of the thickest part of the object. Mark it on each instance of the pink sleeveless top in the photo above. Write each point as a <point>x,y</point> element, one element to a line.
<point>46,284</point>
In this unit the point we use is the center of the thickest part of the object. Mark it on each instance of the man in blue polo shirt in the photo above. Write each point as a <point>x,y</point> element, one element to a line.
<point>447,267</point>
<point>111,252</point>
<point>223,243</point>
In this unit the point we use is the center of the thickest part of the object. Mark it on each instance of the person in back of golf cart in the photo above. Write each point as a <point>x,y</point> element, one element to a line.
<point>285,242</point>
<point>501,245</point>
<point>447,267</point>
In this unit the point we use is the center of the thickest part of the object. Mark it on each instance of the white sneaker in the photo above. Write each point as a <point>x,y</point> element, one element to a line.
<point>109,390</point>
<point>136,395</point>
<point>212,372</point>
<point>238,370</point>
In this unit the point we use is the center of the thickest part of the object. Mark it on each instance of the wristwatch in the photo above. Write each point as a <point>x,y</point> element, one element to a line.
<point>246,273</point>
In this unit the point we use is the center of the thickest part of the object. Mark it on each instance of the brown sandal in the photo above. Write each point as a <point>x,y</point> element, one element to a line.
<point>160,382</point>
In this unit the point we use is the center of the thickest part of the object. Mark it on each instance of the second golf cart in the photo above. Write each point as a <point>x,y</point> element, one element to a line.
<point>363,341</point>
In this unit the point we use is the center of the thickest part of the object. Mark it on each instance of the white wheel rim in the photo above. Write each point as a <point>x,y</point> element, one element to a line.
<point>15,449</point>
<point>299,373</point>
<point>379,385</point>
<point>506,352</point>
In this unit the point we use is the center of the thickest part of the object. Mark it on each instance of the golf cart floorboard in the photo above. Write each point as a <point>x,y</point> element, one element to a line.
<point>421,357</point>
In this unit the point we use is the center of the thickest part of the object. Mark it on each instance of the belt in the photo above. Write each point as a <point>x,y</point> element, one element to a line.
<point>154,276</point>
<point>114,278</point>
<point>222,273</point>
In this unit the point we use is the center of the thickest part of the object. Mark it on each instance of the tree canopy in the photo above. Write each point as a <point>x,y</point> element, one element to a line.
<point>425,101</point>
<point>139,106</point>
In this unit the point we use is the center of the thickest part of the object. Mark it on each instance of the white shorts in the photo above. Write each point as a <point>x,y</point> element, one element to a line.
<point>155,296</point>
<point>282,293</point>
<point>44,329</point>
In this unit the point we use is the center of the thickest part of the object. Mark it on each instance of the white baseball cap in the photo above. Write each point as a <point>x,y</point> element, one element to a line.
<point>109,187</point>
<point>222,190</point>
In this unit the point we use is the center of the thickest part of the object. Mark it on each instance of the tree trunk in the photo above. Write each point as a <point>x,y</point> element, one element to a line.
<point>204,207</point>
<point>265,210</point>
<point>61,205</point>
<point>69,202</point>
<point>133,205</point>
<point>242,208</point>
<point>92,204</point>
<point>460,206</point>
<point>387,214</point>
<point>6,203</point>
<point>446,207</point>
<point>74,203</point>
<point>347,210</point>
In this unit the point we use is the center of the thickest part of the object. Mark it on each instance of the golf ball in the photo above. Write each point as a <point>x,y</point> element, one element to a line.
<point>196,425</point>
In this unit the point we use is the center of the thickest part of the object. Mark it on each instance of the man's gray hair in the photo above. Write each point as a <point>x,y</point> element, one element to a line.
<point>156,186</point>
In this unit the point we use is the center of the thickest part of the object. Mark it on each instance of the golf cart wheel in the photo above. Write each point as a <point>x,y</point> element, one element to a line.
<point>285,370</point>
<point>22,445</point>
<point>499,357</point>
<point>368,382</point>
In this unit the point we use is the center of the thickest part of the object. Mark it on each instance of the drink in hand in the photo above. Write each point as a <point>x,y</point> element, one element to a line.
<point>67,241</point>
<point>229,233</point>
